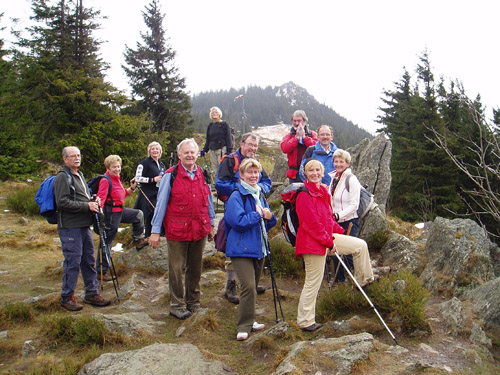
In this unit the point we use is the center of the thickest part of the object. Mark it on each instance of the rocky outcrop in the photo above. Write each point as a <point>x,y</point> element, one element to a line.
<point>486,303</point>
<point>158,359</point>
<point>458,253</point>
<point>130,324</point>
<point>330,356</point>
<point>399,252</point>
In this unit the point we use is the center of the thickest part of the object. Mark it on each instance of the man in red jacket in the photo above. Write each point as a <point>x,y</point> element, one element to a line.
<point>295,144</point>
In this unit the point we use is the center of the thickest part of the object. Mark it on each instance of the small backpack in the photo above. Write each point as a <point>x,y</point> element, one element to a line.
<point>289,218</point>
<point>46,200</point>
<point>220,238</point>
<point>93,185</point>
<point>366,199</point>
<point>236,168</point>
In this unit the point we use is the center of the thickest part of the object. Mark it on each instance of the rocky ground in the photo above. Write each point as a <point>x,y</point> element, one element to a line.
<point>206,343</point>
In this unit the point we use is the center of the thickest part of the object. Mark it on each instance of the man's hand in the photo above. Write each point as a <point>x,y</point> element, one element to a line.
<point>154,240</point>
<point>94,206</point>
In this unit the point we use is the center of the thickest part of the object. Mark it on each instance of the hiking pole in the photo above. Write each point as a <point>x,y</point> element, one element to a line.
<point>276,294</point>
<point>107,252</point>
<point>364,294</point>
<point>145,196</point>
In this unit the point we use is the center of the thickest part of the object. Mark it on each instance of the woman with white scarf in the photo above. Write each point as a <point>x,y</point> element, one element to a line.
<point>247,220</point>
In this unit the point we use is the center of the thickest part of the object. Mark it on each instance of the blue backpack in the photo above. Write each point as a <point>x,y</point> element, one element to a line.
<point>45,197</point>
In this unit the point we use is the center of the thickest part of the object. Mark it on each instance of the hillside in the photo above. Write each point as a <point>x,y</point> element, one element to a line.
<point>271,106</point>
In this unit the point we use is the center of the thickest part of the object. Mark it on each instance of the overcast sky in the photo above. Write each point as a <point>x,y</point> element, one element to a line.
<point>344,53</point>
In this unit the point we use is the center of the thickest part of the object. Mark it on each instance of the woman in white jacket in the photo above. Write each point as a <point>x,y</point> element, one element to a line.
<point>344,189</point>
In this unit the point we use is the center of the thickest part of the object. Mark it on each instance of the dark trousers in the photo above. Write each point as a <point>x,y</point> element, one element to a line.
<point>112,221</point>
<point>342,275</point>
<point>248,271</point>
<point>78,250</point>
<point>186,254</point>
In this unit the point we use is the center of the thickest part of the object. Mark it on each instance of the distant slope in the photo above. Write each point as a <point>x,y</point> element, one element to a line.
<point>271,106</point>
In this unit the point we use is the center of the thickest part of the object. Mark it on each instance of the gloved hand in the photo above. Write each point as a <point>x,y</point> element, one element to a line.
<point>228,151</point>
<point>202,153</point>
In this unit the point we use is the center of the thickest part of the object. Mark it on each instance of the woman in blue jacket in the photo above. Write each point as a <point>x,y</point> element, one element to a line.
<point>247,220</point>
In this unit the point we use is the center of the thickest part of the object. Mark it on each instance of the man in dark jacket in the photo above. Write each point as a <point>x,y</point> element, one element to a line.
<point>226,181</point>
<point>295,143</point>
<point>75,210</point>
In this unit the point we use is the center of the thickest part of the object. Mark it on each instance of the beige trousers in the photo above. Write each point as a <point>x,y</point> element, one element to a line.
<point>359,249</point>
<point>315,268</point>
<point>215,156</point>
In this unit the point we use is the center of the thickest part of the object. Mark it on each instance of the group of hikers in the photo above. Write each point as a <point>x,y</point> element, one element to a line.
<point>178,203</point>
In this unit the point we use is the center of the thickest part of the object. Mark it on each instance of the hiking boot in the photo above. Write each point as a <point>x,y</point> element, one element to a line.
<point>230,292</point>
<point>105,277</point>
<point>97,300</point>
<point>181,313</point>
<point>139,244</point>
<point>71,304</point>
<point>261,289</point>
<point>194,308</point>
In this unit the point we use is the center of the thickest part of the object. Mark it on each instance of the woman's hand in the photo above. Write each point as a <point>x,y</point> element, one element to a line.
<point>264,212</point>
<point>133,184</point>
<point>157,178</point>
<point>332,250</point>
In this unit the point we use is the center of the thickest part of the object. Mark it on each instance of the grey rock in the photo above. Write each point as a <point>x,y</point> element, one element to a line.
<point>147,257</point>
<point>132,306</point>
<point>399,252</point>
<point>459,255</point>
<point>428,348</point>
<point>453,315</point>
<point>478,336</point>
<point>279,169</point>
<point>4,335</point>
<point>158,359</point>
<point>399,285</point>
<point>129,324</point>
<point>343,352</point>
<point>4,272</point>
<point>29,349</point>
<point>487,304</point>
<point>128,287</point>
<point>277,331</point>
<point>42,297</point>
<point>396,350</point>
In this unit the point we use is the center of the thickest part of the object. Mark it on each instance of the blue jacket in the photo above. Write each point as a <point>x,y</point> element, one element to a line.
<point>242,225</point>
<point>317,152</point>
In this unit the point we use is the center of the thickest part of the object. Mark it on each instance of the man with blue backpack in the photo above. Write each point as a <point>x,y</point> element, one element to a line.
<point>74,218</point>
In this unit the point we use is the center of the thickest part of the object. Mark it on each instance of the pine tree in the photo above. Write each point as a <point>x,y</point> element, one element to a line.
<point>155,80</point>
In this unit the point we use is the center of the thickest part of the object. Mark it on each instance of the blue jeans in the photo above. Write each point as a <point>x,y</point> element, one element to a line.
<point>78,250</point>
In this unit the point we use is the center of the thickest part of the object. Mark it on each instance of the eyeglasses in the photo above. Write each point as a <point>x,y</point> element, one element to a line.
<point>252,145</point>
<point>74,156</point>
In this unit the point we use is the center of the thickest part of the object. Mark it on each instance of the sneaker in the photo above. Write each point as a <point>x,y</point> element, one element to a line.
<point>230,292</point>
<point>194,308</point>
<point>139,244</point>
<point>242,336</point>
<point>258,326</point>
<point>71,304</point>
<point>97,300</point>
<point>181,313</point>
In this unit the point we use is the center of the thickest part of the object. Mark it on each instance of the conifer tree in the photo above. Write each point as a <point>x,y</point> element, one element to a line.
<point>154,78</point>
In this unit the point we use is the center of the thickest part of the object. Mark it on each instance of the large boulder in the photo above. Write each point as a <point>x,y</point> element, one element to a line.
<point>486,303</point>
<point>458,253</point>
<point>400,252</point>
<point>158,359</point>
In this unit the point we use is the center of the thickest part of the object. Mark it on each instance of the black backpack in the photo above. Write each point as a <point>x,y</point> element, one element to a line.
<point>289,218</point>
<point>93,185</point>
<point>366,199</point>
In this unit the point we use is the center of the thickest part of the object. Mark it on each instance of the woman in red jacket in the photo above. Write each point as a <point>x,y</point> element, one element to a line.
<point>314,237</point>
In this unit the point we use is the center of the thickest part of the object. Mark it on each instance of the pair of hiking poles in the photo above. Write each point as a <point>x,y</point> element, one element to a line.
<point>107,254</point>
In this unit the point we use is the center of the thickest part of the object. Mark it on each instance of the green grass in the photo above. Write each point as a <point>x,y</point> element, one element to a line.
<point>23,201</point>
<point>285,264</point>
<point>15,313</point>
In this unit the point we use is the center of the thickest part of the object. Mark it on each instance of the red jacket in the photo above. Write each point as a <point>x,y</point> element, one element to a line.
<point>187,211</point>
<point>295,151</point>
<point>317,224</point>
<point>118,192</point>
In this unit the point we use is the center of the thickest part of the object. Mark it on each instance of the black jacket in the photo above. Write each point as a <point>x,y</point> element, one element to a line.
<point>218,136</point>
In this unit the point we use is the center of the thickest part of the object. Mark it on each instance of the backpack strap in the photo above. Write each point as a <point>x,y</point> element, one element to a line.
<point>109,198</point>
<point>70,182</point>
<point>347,182</point>
<point>173,174</point>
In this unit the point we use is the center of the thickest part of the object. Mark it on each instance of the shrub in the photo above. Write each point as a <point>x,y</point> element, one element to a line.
<point>408,302</point>
<point>80,331</point>
<point>377,240</point>
<point>284,261</point>
<point>23,201</point>
<point>16,313</point>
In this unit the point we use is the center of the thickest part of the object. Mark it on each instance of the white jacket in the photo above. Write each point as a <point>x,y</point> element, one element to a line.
<point>345,203</point>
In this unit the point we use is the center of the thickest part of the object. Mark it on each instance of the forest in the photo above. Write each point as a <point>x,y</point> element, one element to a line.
<point>53,93</point>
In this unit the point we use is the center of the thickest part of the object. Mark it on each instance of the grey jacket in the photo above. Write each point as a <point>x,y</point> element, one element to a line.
<point>73,208</point>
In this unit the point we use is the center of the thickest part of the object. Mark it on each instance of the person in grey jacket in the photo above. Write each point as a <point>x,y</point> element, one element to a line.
<point>75,210</point>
